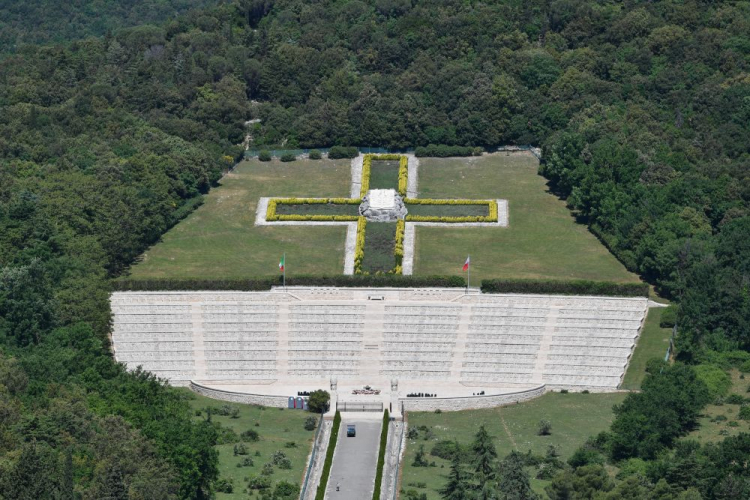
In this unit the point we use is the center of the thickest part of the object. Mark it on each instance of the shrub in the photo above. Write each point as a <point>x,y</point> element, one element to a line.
<point>446,450</point>
<point>267,469</point>
<point>419,458</point>
<point>337,152</point>
<point>246,462</point>
<point>310,422</point>
<point>668,316</point>
<point>264,155</point>
<point>359,248</point>
<point>318,401</point>
<point>259,483</point>
<point>240,449</point>
<point>285,489</point>
<point>321,492</point>
<point>403,175</point>
<point>572,287</point>
<point>734,399</point>
<point>744,413</point>
<point>381,455</point>
<point>585,456</point>
<point>444,151</point>
<point>287,157</point>
<point>545,428</point>
<point>314,154</point>
<point>716,379</point>
<point>224,485</point>
<point>265,283</point>
<point>745,367</point>
<point>250,435</point>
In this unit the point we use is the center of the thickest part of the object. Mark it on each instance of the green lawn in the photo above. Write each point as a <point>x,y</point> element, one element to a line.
<point>380,243</point>
<point>276,428</point>
<point>719,421</point>
<point>447,210</point>
<point>574,418</point>
<point>220,240</point>
<point>384,174</point>
<point>316,209</point>
<point>653,343</point>
<point>542,241</point>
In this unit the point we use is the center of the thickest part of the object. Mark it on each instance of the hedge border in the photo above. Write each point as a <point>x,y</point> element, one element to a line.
<point>321,492</point>
<point>381,455</point>
<point>566,287</point>
<point>492,209</point>
<point>398,250</point>
<point>271,214</point>
<point>403,175</point>
<point>359,246</point>
<point>261,284</point>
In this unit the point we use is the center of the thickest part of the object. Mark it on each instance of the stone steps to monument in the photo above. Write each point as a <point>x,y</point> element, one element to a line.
<point>559,359</point>
<point>224,318</point>
<point>151,337</point>
<point>152,319</point>
<point>473,376</point>
<point>502,347</point>
<point>327,354</point>
<point>231,354</point>
<point>394,320</point>
<point>225,345</point>
<point>228,364</point>
<point>325,345</point>
<point>396,328</point>
<point>588,341</point>
<point>508,320</point>
<point>598,323</point>
<point>241,327</point>
<point>324,363</point>
<point>596,332</point>
<point>497,367</point>
<point>163,364</point>
<point>504,338</point>
<point>586,381</point>
<point>595,314</point>
<point>421,337</point>
<point>557,369</point>
<point>500,357</point>
<point>151,328</point>
<point>155,346</point>
<point>416,355</point>
<point>144,356</point>
<point>249,373</point>
<point>410,345</point>
<point>416,374</point>
<point>150,309</point>
<point>239,336</point>
<point>323,372</point>
<point>391,364</point>
<point>508,312</point>
<point>497,329</point>
<point>589,350</point>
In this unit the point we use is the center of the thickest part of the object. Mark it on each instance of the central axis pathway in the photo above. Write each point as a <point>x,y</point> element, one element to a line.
<point>355,458</point>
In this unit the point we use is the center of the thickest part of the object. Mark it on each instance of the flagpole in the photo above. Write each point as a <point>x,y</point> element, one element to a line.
<point>283,271</point>
<point>468,275</point>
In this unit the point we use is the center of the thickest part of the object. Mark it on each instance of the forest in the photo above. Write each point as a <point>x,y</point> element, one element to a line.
<point>114,124</point>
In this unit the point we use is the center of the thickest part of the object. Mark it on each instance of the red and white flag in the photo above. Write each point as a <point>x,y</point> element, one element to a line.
<point>466,264</point>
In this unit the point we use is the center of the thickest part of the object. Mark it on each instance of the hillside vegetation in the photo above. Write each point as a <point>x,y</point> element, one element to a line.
<point>642,109</point>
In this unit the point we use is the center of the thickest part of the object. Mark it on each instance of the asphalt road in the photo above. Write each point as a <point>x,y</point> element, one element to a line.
<point>354,461</point>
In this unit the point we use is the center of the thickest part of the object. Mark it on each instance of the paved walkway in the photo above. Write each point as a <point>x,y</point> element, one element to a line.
<point>355,459</point>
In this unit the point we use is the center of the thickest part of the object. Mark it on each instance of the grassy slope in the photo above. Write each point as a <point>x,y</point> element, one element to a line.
<point>220,240</point>
<point>574,418</point>
<point>653,343</point>
<point>380,244</point>
<point>276,428</point>
<point>384,174</point>
<point>543,240</point>
<point>711,432</point>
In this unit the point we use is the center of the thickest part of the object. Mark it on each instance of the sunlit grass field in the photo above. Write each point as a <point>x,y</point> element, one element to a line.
<point>652,343</point>
<point>574,418</point>
<point>543,241</point>
<point>276,427</point>
<point>220,240</point>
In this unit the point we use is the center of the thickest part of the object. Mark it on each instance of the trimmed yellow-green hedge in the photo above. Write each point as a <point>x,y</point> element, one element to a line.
<point>403,175</point>
<point>398,251</point>
<point>359,248</point>
<point>491,207</point>
<point>271,214</point>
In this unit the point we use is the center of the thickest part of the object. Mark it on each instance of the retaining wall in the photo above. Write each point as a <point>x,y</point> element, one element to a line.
<point>469,402</point>
<point>240,397</point>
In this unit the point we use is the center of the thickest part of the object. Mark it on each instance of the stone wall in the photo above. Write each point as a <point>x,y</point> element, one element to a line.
<point>469,402</point>
<point>240,397</point>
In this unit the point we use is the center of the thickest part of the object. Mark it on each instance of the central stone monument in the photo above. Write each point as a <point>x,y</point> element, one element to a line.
<point>382,205</point>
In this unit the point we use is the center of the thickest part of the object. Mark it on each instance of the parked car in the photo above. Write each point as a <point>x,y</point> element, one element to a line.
<point>351,431</point>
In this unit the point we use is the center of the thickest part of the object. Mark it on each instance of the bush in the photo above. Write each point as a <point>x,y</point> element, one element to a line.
<point>668,316</point>
<point>734,399</point>
<point>318,401</point>
<point>311,423</point>
<point>259,483</point>
<point>285,489</point>
<point>745,367</point>
<point>419,458</point>
<point>572,287</point>
<point>264,155</point>
<point>585,456</point>
<point>446,450</point>
<point>240,449</point>
<point>321,492</point>
<point>314,154</point>
<point>444,151</point>
<point>287,157</point>
<point>716,379</point>
<point>224,485</point>
<point>263,284</point>
<point>744,413</point>
<point>381,455</point>
<point>545,428</point>
<point>338,152</point>
<point>246,462</point>
<point>250,435</point>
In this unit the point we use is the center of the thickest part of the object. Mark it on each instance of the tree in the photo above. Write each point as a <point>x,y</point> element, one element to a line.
<point>545,428</point>
<point>485,455</point>
<point>318,401</point>
<point>513,480</point>
<point>457,486</point>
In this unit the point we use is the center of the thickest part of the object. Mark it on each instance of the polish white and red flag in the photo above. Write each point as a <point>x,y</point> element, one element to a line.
<point>466,264</point>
